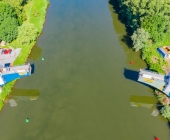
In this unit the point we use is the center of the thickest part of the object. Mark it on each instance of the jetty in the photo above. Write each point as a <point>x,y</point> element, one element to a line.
<point>8,72</point>
<point>156,80</point>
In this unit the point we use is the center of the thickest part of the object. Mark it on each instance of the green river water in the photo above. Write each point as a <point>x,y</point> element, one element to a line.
<point>83,85</point>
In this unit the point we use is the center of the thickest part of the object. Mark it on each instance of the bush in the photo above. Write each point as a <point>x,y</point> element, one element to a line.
<point>165,111</point>
<point>27,33</point>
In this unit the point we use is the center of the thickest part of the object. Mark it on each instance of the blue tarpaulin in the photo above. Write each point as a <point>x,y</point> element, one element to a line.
<point>9,77</point>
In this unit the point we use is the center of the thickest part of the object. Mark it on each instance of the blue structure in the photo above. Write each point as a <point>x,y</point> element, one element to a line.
<point>164,51</point>
<point>156,80</point>
<point>8,74</point>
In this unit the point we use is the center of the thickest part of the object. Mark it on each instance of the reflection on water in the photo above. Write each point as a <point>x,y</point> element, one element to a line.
<point>22,94</point>
<point>120,29</point>
<point>145,101</point>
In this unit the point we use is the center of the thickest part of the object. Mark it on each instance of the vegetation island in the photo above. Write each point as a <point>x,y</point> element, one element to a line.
<point>148,31</point>
<point>21,22</point>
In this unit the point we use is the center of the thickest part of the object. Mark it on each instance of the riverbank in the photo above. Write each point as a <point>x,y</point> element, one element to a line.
<point>35,13</point>
<point>147,31</point>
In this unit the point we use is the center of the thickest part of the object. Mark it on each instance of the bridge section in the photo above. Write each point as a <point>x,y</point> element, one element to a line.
<point>156,80</point>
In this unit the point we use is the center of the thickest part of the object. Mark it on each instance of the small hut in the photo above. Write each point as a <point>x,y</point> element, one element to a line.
<point>164,51</point>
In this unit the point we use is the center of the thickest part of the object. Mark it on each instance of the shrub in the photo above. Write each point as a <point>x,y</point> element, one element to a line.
<point>27,33</point>
<point>166,111</point>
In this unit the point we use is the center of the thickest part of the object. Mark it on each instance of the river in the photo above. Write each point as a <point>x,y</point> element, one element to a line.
<point>85,81</point>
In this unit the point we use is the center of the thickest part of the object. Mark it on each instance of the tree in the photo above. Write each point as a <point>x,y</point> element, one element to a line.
<point>8,22</point>
<point>15,2</point>
<point>8,29</point>
<point>21,14</point>
<point>6,10</point>
<point>155,25</point>
<point>18,6</point>
<point>136,10</point>
<point>166,111</point>
<point>27,33</point>
<point>139,38</point>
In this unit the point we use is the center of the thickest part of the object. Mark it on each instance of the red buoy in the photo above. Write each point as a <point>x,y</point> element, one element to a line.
<point>131,62</point>
<point>156,138</point>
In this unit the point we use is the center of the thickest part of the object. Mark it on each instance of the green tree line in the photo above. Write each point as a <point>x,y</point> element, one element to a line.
<point>150,25</point>
<point>149,21</point>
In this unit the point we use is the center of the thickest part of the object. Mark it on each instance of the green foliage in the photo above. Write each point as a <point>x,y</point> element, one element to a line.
<point>165,111</point>
<point>136,10</point>
<point>151,51</point>
<point>155,25</point>
<point>1,104</point>
<point>160,97</point>
<point>15,3</point>
<point>140,39</point>
<point>6,11</point>
<point>18,6</point>
<point>8,29</point>
<point>27,33</point>
<point>8,22</point>
<point>21,14</point>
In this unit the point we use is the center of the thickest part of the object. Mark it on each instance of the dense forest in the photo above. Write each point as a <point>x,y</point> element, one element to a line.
<point>149,24</point>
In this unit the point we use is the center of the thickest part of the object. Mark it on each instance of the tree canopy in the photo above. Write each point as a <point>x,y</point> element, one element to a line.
<point>8,22</point>
<point>27,33</point>
<point>166,111</point>
<point>155,25</point>
<point>140,38</point>
<point>15,3</point>
<point>136,10</point>
<point>18,6</point>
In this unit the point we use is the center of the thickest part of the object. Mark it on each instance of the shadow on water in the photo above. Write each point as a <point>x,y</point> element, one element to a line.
<point>126,38</point>
<point>133,75</point>
<point>32,68</point>
<point>169,125</point>
<point>23,95</point>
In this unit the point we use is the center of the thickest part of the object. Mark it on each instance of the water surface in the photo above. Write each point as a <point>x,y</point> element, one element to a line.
<point>85,81</point>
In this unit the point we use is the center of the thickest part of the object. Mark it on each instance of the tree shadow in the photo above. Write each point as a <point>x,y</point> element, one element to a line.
<point>25,2</point>
<point>168,125</point>
<point>126,38</point>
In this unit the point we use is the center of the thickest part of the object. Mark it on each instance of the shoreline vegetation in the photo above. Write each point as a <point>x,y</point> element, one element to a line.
<point>29,16</point>
<point>148,28</point>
